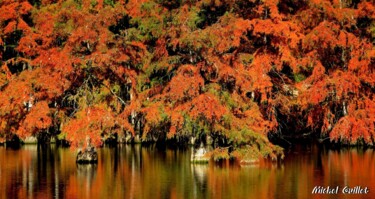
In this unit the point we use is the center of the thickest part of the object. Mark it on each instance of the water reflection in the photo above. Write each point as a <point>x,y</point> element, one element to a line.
<point>200,175</point>
<point>147,172</point>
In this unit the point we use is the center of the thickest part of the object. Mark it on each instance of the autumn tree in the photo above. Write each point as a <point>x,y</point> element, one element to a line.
<point>238,71</point>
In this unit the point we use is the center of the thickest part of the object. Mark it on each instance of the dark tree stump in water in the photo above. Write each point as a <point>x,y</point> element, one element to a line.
<point>89,155</point>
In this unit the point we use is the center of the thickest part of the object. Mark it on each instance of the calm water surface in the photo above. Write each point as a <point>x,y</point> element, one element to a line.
<point>148,172</point>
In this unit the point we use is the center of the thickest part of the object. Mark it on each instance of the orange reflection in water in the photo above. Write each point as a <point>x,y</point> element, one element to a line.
<point>10,159</point>
<point>148,172</point>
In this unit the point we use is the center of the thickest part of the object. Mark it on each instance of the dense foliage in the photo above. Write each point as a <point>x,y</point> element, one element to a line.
<point>236,70</point>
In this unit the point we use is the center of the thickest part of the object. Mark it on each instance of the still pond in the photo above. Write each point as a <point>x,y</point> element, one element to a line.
<point>136,172</point>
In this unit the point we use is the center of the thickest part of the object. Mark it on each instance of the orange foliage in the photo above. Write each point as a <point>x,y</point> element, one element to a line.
<point>96,68</point>
<point>92,122</point>
<point>36,121</point>
<point>179,92</point>
<point>208,107</point>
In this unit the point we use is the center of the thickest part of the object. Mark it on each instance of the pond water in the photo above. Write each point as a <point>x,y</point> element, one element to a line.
<point>148,172</point>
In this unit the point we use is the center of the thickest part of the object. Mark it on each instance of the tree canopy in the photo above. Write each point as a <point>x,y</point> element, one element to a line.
<point>239,70</point>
